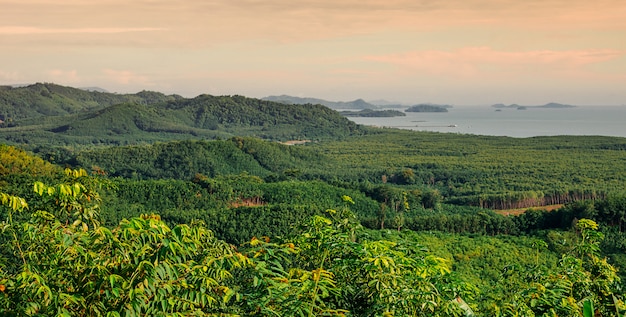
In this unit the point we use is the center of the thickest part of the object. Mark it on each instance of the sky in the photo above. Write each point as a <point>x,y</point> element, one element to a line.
<point>457,52</point>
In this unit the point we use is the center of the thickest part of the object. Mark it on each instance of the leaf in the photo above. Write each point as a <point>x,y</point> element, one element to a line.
<point>39,187</point>
<point>588,310</point>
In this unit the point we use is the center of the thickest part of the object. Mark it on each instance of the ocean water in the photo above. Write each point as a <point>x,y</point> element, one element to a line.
<point>485,120</point>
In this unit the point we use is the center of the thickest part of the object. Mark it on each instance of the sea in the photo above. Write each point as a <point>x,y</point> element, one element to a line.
<point>531,122</point>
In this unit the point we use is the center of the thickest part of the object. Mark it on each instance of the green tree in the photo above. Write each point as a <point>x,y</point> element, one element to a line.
<point>69,265</point>
<point>583,281</point>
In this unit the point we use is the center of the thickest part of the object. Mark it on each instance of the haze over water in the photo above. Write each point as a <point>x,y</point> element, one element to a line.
<point>485,120</point>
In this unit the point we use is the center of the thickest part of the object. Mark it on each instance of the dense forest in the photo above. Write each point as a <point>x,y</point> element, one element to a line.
<point>355,222</point>
<point>48,114</point>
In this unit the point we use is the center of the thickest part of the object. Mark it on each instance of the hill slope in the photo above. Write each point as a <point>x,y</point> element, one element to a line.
<point>151,117</point>
<point>39,100</point>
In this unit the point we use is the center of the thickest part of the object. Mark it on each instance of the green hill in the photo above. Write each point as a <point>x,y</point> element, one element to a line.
<point>45,99</point>
<point>74,117</point>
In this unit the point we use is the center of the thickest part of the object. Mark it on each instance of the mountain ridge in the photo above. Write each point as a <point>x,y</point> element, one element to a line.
<point>57,115</point>
<point>48,99</point>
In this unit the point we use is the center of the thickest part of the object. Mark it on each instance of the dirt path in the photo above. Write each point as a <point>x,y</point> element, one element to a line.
<point>515,212</point>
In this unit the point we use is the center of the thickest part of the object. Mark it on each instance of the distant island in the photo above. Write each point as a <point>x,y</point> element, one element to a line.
<point>551,105</point>
<point>428,108</point>
<point>336,105</point>
<point>373,113</point>
<point>358,104</point>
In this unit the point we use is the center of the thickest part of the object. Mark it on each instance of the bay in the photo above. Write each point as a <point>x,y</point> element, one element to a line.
<point>485,120</point>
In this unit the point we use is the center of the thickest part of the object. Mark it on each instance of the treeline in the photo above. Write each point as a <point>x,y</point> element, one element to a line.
<point>492,172</point>
<point>183,159</point>
<point>239,171</point>
<point>488,172</point>
<point>610,212</point>
<point>236,208</point>
<point>527,199</point>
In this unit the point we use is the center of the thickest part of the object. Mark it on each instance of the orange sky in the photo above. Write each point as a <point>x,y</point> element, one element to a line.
<point>461,52</point>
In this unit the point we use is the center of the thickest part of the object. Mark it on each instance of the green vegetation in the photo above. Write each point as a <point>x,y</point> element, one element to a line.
<point>63,261</point>
<point>44,99</point>
<point>151,117</point>
<point>188,211</point>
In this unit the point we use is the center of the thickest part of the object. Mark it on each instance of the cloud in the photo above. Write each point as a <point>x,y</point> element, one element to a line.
<point>26,30</point>
<point>207,23</point>
<point>63,76</point>
<point>9,76</point>
<point>127,77</point>
<point>479,61</point>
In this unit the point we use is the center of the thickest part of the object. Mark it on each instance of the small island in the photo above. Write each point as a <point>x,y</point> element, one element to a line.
<point>428,108</point>
<point>373,113</point>
<point>551,105</point>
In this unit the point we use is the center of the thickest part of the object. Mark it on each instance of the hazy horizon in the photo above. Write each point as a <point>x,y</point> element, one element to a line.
<point>470,52</point>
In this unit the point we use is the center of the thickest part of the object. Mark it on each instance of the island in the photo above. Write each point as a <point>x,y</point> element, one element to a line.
<point>373,113</point>
<point>428,108</point>
<point>551,105</point>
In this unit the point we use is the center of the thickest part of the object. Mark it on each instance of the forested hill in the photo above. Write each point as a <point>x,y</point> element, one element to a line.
<point>45,99</point>
<point>59,115</point>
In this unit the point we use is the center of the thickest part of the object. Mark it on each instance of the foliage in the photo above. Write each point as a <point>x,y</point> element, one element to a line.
<point>78,268</point>
<point>143,267</point>
<point>485,171</point>
<point>47,99</point>
<point>14,161</point>
<point>583,280</point>
<point>108,119</point>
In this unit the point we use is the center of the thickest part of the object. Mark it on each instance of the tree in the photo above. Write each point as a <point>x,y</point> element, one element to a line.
<point>69,265</point>
<point>583,285</point>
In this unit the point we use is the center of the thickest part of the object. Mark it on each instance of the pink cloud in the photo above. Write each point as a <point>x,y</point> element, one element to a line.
<point>27,30</point>
<point>9,76</point>
<point>63,76</point>
<point>473,61</point>
<point>126,77</point>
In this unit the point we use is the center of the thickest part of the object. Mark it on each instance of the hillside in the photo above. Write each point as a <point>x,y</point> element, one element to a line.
<point>149,117</point>
<point>45,99</point>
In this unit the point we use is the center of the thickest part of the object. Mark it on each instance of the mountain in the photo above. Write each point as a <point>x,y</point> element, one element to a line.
<point>77,117</point>
<point>45,99</point>
<point>356,104</point>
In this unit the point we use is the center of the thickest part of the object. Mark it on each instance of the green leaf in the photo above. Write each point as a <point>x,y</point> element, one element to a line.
<point>588,310</point>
